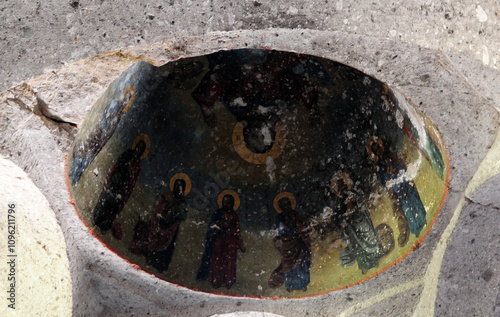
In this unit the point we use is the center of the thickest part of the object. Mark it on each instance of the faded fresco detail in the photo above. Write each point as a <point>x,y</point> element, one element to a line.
<point>256,172</point>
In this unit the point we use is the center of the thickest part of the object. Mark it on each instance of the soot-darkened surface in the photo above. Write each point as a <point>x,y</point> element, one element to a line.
<point>257,172</point>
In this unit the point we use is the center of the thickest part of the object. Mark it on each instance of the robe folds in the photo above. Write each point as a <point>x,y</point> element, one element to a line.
<point>117,189</point>
<point>222,242</point>
<point>361,241</point>
<point>406,195</point>
<point>293,245</point>
<point>164,229</point>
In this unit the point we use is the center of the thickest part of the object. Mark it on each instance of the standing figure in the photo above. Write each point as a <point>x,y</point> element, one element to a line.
<point>85,151</point>
<point>222,242</point>
<point>408,207</point>
<point>362,244</point>
<point>169,212</point>
<point>118,186</point>
<point>426,142</point>
<point>293,245</point>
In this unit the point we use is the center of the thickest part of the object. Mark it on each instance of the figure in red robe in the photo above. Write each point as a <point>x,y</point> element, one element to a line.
<point>156,240</point>
<point>169,212</point>
<point>223,240</point>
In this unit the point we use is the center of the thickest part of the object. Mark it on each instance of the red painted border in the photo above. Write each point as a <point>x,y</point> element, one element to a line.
<point>419,241</point>
<point>417,244</point>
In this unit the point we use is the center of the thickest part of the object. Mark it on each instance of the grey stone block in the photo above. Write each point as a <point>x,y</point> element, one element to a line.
<point>469,279</point>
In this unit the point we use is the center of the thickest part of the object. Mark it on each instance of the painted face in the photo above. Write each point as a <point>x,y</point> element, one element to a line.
<point>285,204</point>
<point>339,187</point>
<point>377,151</point>
<point>125,99</point>
<point>259,137</point>
<point>228,202</point>
<point>179,187</point>
<point>140,148</point>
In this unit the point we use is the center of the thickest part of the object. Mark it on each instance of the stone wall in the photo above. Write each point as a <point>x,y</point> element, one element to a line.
<point>46,34</point>
<point>434,53</point>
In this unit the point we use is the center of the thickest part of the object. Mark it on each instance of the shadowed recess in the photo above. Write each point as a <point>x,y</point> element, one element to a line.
<point>255,172</point>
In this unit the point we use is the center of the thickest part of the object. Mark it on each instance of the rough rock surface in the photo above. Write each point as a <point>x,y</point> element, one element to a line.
<point>39,119</point>
<point>39,275</point>
<point>46,34</point>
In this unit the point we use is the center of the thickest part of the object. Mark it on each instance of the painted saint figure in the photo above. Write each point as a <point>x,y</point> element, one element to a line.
<point>421,138</point>
<point>255,84</point>
<point>85,151</point>
<point>293,244</point>
<point>222,242</point>
<point>118,186</point>
<point>362,244</point>
<point>169,212</point>
<point>408,207</point>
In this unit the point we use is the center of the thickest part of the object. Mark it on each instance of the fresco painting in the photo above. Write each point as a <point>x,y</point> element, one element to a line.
<point>255,172</point>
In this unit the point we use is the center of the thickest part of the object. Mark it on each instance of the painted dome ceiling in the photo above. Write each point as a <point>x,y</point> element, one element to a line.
<point>256,172</point>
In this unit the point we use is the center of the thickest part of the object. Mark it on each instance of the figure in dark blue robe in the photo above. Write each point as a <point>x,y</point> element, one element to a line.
<point>408,206</point>
<point>294,246</point>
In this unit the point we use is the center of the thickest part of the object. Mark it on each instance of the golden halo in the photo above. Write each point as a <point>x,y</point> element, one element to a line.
<point>385,235</point>
<point>145,138</point>
<point>235,195</point>
<point>371,140</point>
<point>334,181</point>
<point>284,195</point>
<point>258,158</point>
<point>184,177</point>
<point>130,89</point>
